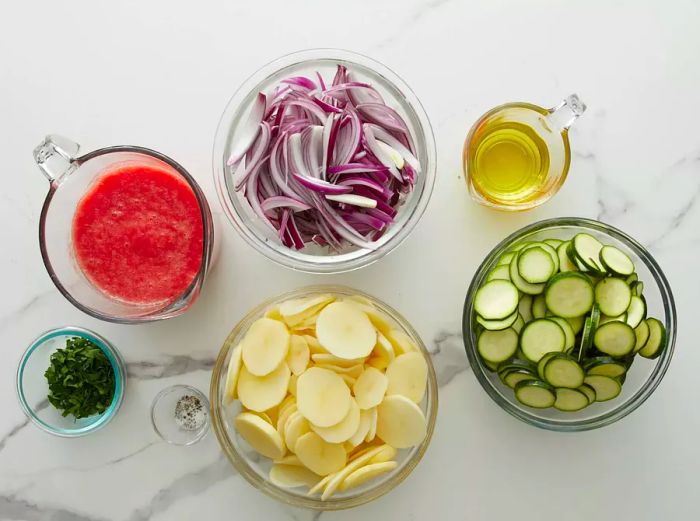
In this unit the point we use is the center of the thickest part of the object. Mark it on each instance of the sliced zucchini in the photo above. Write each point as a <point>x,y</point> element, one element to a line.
<point>543,362</point>
<point>497,325</point>
<point>605,388</point>
<point>539,307</point>
<point>541,336</point>
<point>565,263</point>
<point>615,339</point>
<point>562,370</point>
<point>535,265</point>
<point>525,307</point>
<point>606,366</point>
<point>587,250</point>
<point>492,366</point>
<point>517,247</point>
<point>632,278</point>
<point>496,300</point>
<point>641,332</point>
<point>637,288</point>
<point>616,261</point>
<point>570,399</point>
<point>535,393</point>
<point>518,324</point>
<point>595,317</point>
<point>620,318</point>
<point>500,272</point>
<point>568,332</point>
<point>506,258</point>
<point>497,346</point>
<point>512,378</point>
<point>516,365</point>
<point>586,339</point>
<point>576,323</point>
<point>569,294</point>
<point>636,312</point>
<point>521,283</point>
<point>554,243</point>
<point>613,296</point>
<point>657,339</point>
<point>552,252</point>
<point>588,391</point>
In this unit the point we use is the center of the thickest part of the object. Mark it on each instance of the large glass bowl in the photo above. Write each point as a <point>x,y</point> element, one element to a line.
<point>255,469</point>
<point>397,95</point>
<point>643,376</point>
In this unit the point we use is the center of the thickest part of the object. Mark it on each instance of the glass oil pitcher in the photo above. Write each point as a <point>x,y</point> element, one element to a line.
<point>517,155</point>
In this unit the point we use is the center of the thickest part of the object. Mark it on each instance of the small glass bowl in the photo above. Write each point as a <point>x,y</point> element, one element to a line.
<point>398,95</point>
<point>32,388</point>
<point>163,415</point>
<point>255,469</point>
<point>644,375</point>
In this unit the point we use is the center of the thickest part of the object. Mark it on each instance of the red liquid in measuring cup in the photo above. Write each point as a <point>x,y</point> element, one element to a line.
<point>137,234</point>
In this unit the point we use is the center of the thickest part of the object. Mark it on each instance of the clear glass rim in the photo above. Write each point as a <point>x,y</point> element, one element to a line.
<point>642,393</point>
<point>240,463</point>
<point>120,378</point>
<point>315,264</point>
<point>170,309</point>
<point>200,434</point>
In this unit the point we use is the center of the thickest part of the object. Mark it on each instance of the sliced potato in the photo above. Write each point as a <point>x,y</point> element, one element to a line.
<point>362,449</point>
<point>387,453</point>
<point>234,370</point>
<point>289,459</point>
<point>292,388</point>
<point>367,472</point>
<point>265,346</point>
<point>345,331</point>
<point>273,413</point>
<point>342,431</point>
<point>318,455</point>
<point>378,362</point>
<point>383,348</point>
<point>298,355</point>
<point>362,430</point>
<point>259,393</point>
<point>291,476</point>
<point>274,313</point>
<point>355,371</point>
<point>322,397</point>
<point>264,416</point>
<point>260,435</point>
<point>314,345</point>
<point>307,308</point>
<point>288,401</point>
<point>318,487</point>
<point>400,422</point>
<point>378,319</point>
<point>372,424</point>
<point>401,341</point>
<point>327,358</point>
<point>341,475</point>
<point>349,380</point>
<point>295,427</point>
<point>407,375</point>
<point>284,416</point>
<point>370,387</point>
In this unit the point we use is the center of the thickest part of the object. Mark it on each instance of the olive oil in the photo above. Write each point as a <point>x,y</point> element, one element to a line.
<point>517,155</point>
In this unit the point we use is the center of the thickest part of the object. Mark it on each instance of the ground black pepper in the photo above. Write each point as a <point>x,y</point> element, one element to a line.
<point>190,414</point>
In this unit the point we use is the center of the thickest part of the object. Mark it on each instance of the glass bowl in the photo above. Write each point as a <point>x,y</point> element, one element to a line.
<point>32,387</point>
<point>398,95</point>
<point>643,376</point>
<point>255,469</point>
<point>165,423</point>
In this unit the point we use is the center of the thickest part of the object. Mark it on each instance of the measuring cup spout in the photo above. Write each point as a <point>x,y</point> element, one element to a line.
<point>55,156</point>
<point>563,115</point>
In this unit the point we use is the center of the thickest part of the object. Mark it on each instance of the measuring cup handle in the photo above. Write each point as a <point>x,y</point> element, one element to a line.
<point>563,115</point>
<point>55,156</point>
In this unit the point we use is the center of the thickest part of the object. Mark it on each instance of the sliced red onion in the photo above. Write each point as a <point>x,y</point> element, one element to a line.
<point>366,182</point>
<point>384,117</point>
<point>249,132</point>
<point>353,199</point>
<point>384,136</point>
<point>259,148</point>
<point>282,201</point>
<point>380,154</point>
<point>321,186</point>
<point>355,168</point>
<point>300,81</point>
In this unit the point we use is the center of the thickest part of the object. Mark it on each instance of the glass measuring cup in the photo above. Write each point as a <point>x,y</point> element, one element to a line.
<point>70,176</point>
<point>517,155</point>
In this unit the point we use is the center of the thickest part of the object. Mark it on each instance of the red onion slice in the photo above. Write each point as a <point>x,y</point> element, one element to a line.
<point>249,131</point>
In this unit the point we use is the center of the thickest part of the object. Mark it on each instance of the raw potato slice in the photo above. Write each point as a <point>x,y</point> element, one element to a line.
<point>354,371</point>
<point>318,455</point>
<point>274,313</point>
<point>264,416</point>
<point>298,355</point>
<point>234,370</point>
<point>295,427</point>
<point>402,342</point>
<point>289,459</point>
<point>349,380</point>
<point>314,345</point>
<point>292,388</point>
<point>344,430</point>
<point>383,348</point>
<point>327,358</point>
<point>400,422</point>
<point>362,430</point>
<point>345,331</point>
<point>366,473</point>
<point>322,397</point>
<point>363,449</point>
<point>407,375</point>
<point>378,362</point>
<point>291,476</point>
<point>378,319</point>
<point>305,326</point>
<point>284,416</point>
<point>388,453</point>
<point>372,433</point>
<point>318,487</point>
<point>264,346</point>
<point>260,435</point>
<point>295,307</point>
<point>370,387</point>
<point>273,414</point>
<point>259,393</point>
<point>340,476</point>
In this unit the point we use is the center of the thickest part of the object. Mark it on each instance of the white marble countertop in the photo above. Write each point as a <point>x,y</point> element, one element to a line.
<point>158,74</point>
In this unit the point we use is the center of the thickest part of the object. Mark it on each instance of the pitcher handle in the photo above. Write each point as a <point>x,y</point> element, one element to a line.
<point>563,115</point>
<point>55,156</point>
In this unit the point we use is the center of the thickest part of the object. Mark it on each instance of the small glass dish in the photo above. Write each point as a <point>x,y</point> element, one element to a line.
<point>165,408</point>
<point>399,96</point>
<point>644,375</point>
<point>32,387</point>
<point>255,469</point>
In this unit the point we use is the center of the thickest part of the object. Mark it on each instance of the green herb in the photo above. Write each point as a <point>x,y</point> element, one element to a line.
<point>81,379</point>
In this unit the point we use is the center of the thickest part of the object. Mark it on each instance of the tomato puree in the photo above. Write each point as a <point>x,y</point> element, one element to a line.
<point>137,234</point>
